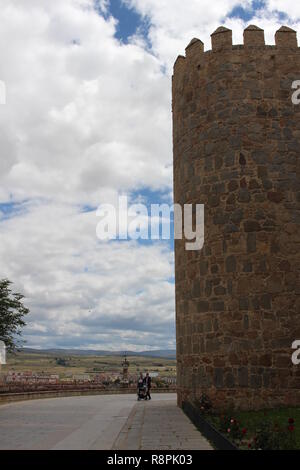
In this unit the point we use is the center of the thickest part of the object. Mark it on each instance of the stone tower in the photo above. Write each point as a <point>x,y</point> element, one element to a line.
<point>236,137</point>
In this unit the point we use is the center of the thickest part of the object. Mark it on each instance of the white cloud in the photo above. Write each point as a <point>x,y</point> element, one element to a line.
<point>78,288</point>
<point>88,117</point>
<point>81,104</point>
<point>290,7</point>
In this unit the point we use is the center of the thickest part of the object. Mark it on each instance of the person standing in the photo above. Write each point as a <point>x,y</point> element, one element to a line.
<point>147,380</point>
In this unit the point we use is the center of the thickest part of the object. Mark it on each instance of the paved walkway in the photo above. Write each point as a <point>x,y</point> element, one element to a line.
<point>98,422</point>
<point>159,424</point>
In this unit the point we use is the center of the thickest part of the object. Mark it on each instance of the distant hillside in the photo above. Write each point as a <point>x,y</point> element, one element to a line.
<point>163,353</point>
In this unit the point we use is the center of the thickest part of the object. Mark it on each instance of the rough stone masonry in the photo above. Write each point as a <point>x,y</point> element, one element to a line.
<point>236,136</point>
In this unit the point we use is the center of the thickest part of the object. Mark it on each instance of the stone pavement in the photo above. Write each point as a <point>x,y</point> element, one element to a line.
<point>70,423</point>
<point>98,422</point>
<point>159,424</point>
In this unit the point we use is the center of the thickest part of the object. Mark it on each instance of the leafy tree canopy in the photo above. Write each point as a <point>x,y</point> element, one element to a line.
<point>12,312</point>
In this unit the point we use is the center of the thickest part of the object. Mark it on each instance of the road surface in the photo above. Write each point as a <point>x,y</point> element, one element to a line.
<point>98,422</point>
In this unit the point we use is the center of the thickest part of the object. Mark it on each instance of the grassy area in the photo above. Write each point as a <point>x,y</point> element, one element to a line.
<point>252,422</point>
<point>76,364</point>
<point>252,419</point>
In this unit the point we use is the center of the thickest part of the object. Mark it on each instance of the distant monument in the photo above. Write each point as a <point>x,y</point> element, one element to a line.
<point>125,366</point>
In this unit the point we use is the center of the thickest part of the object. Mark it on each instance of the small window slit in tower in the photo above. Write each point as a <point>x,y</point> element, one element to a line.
<point>242,159</point>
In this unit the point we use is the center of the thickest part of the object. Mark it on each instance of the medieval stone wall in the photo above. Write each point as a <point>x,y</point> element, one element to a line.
<point>236,137</point>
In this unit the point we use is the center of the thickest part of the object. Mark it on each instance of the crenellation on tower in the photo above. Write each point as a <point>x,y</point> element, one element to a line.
<point>194,49</point>
<point>178,72</point>
<point>286,37</point>
<point>221,39</point>
<point>179,63</point>
<point>254,36</point>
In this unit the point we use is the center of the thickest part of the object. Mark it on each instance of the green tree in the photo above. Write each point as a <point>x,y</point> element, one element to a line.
<point>12,312</point>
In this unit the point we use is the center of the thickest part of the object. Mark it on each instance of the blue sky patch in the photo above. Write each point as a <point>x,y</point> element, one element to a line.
<point>247,14</point>
<point>129,20</point>
<point>11,209</point>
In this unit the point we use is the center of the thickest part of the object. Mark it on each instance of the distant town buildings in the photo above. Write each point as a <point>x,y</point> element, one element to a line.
<point>15,380</point>
<point>30,378</point>
<point>81,378</point>
<point>114,379</point>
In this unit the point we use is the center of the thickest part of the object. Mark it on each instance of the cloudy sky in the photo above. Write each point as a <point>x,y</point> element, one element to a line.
<point>88,117</point>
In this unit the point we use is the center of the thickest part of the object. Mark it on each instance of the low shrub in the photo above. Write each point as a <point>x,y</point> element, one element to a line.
<point>204,403</point>
<point>256,430</point>
<point>272,436</point>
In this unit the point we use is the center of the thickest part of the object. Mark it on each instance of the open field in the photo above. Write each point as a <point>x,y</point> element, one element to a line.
<point>66,365</point>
